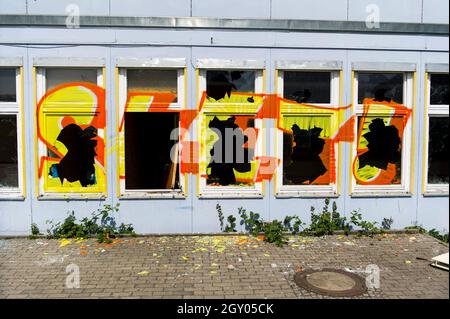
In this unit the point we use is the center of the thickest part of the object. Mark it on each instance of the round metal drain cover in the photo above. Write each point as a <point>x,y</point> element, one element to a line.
<point>331,282</point>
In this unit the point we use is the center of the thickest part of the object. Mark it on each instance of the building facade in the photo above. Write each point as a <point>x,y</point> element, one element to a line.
<point>340,99</point>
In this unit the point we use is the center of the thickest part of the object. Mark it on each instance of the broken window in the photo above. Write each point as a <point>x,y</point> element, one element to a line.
<point>230,147</point>
<point>307,87</point>
<point>439,89</point>
<point>379,150</point>
<point>7,85</point>
<point>438,152</point>
<point>306,150</point>
<point>383,87</point>
<point>220,83</point>
<point>148,149</point>
<point>152,80</point>
<point>8,152</point>
<point>59,76</point>
<point>71,131</point>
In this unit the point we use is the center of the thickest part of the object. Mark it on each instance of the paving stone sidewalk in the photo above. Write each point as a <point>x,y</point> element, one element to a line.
<point>214,266</point>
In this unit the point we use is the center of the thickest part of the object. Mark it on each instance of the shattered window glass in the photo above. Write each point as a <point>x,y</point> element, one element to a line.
<point>7,85</point>
<point>379,150</point>
<point>8,152</point>
<point>307,87</point>
<point>383,87</point>
<point>306,150</point>
<point>221,84</point>
<point>148,145</point>
<point>439,89</point>
<point>438,152</point>
<point>58,76</point>
<point>150,80</point>
<point>230,150</point>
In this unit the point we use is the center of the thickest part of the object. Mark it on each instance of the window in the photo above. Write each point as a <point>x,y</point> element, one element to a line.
<point>437,150</point>
<point>11,175</point>
<point>229,133</point>
<point>151,100</point>
<point>381,160</point>
<point>309,119</point>
<point>71,126</point>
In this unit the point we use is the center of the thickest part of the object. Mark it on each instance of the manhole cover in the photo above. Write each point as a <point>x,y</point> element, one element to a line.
<point>331,282</point>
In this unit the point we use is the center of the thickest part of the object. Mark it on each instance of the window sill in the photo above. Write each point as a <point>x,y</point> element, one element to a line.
<point>12,196</point>
<point>436,191</point>
<point>160,194</point>
<point>68,197</point>
<point>380,194</point>
<point>231,195</point>
<point>306,194</point>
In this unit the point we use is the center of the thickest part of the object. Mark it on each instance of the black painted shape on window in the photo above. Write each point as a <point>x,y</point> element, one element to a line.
<point>383,144</point>
<point>380,95</point>
<point>438,152</point>
<point>222,172</point>
<point>78,163</point>
<point>219,84</point>
<point>306,163</point>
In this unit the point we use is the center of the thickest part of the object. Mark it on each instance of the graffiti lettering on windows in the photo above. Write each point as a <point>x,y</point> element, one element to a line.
<point>382,149</point>
<point>71,127</point>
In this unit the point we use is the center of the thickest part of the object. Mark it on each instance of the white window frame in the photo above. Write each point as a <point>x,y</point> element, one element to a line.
<point>41,89</point>
<point>288,191</point>
<point>179,105</point>
<point>15,108</point>
<point>404,188</point>
<point>432,111</point>
<point>205,191</point>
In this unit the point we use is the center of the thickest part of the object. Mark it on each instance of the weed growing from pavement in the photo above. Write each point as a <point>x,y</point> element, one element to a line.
<point>102,225</point>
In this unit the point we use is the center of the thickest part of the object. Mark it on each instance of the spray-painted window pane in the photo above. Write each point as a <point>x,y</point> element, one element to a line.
<point>307,87</point>
<point>379,149</point>
<point>383,87</point>
<point>306,150</point>
<point>58,76</point>
<point>220,84</point>
<point>7,85</point>
<point>151,81</point>
<point>438,151</point>
<point>230,150</point>
<point>439,89</point>
<point>8,151</point>
<point>148,147</point>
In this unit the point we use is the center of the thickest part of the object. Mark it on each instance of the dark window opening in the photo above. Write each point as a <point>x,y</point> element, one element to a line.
<point>383,87</point>
<point>307,87</point>
<point>148,146</point>
<point>8,151</point>
<point>221,83</point>
<point>439,89</point>
<point>438,151</point>
<point>7,85</point>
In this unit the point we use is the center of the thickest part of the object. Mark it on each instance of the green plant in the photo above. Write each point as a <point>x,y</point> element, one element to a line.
<point>387,223</point>
<point>251,221</point>
<point>35,230</point>
<point>365,227</point>
<point>274,233</point>
<point>101,224</point>
<point>231,226</point>
<point>293,224</point>
<point>327,222</point>
<point>436,234</point>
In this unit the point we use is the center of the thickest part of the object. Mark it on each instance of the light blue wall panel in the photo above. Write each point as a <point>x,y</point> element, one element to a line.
<point>151,8</point>
<point>231,9</point>
<point>86,7</point>
<point>409,11</point>
<point>310,10</point>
